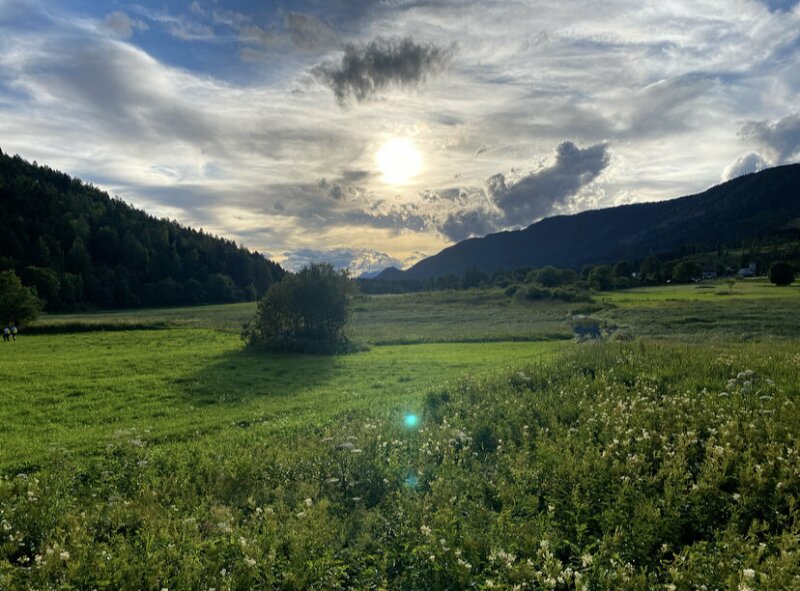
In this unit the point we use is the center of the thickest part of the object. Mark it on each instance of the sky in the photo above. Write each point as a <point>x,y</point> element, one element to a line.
<point>371,133</point>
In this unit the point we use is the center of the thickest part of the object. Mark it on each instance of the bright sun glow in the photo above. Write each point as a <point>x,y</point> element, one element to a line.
<point>399,161</point>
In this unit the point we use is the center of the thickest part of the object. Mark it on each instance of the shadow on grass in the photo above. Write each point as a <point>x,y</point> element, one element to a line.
<point>245,374</point>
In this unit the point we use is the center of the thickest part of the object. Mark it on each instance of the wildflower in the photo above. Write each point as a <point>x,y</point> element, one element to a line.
<point>425,530</point>
<point>64,555</point>
<point>251,562</point>
<point>308,502</point>
<point>749,573</point>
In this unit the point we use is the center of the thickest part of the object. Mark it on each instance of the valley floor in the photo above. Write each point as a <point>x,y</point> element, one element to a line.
<point>474,445</point>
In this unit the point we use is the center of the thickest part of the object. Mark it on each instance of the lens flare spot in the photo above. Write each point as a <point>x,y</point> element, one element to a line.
<point>411,420</point>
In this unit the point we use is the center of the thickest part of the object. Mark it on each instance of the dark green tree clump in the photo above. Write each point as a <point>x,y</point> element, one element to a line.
<point>781,273</point>
<point>306,312</point>
<point>82,249</point>
<point>18,304</point>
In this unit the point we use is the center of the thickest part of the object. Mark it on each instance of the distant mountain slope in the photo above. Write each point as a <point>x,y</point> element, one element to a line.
<point>79,247</point>
<point>750,206</point>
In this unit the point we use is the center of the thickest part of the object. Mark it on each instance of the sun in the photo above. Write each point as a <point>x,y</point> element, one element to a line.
<point>399,161</point>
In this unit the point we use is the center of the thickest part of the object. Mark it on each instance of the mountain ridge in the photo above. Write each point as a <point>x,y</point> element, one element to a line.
<point>722,216</point>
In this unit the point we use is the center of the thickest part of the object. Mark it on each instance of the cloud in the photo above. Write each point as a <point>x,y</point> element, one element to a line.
<point>781,138</point>
<point>365,70</point>
<point>356,260</point>
<point>123,25</point>
<point>461,225</point>
<point>535,195</point>
<point>520,202</point>
<point>744,165</point>
<point>309,33</point>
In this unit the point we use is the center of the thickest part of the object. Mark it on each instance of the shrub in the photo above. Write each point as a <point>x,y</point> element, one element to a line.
<point>536,293</point>
<point>781,273</point>
<point>305,312</point>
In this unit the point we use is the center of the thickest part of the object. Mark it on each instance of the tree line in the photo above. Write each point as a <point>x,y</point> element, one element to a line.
<point>571,284</point>
<point>80,248</point>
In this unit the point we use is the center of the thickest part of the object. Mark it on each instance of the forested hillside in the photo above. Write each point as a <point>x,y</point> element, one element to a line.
<point>81,248</point>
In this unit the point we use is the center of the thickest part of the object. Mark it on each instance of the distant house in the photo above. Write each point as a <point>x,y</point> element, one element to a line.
<point>749,271</point>
<point>709,274</point>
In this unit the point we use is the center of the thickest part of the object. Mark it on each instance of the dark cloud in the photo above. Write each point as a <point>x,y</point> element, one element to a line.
<point>365,70</point>
<point>356,176</point>
<point>461,225</point>
<point>534,196</point>
<point>781,138</point>
<point>744,165</point>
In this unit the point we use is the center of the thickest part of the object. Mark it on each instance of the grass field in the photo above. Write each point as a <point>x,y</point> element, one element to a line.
<point>475,315</point>
<point>707,291</point>
<point>79,392</point>
<point>167,455</point>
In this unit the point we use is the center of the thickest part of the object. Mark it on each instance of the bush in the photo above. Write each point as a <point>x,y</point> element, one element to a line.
<point>305,312</point>
<point>781,273</point>
<point>535,293</point>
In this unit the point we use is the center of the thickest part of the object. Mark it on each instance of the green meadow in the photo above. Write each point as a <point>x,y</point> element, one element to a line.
<point>472,444</point>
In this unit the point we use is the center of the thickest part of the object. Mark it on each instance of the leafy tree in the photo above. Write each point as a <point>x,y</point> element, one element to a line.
<point>305,312</point>
<point>650,270</point>
<point>18,303</point>
<point>781,273</point>
<point>601,278</point>
<point>46,282</point>
<point>220,288</point>
<point>474,278</point>
<point>548,277</point>
<point>623,269</point>
<point>685,271</point>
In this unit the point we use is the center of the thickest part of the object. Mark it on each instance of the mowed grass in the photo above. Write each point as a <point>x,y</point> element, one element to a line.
<point>80,392</point>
